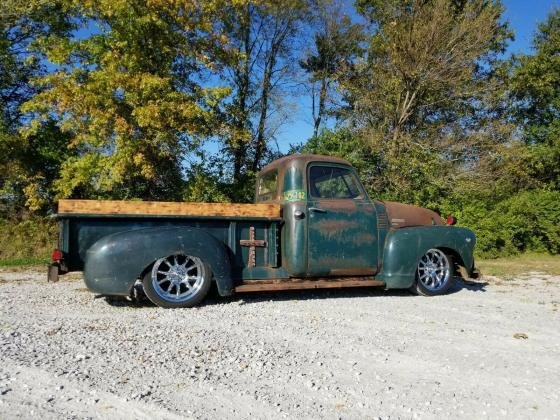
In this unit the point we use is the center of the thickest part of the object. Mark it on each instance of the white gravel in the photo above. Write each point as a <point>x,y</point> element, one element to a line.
<point>66,353</point>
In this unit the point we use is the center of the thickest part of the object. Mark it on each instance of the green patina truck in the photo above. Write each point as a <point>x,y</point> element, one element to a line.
<point>312,226</point>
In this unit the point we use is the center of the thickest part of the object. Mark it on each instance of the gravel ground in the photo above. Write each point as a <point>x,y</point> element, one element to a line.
<point>484,351</point>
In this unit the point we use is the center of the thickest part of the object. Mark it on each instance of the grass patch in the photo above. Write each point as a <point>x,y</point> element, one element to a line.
<point>520,264</point>
<point>23,262</point>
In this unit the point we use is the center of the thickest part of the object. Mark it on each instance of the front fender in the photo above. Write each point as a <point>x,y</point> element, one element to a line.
<point>114,262</point>
<point>405,246</point>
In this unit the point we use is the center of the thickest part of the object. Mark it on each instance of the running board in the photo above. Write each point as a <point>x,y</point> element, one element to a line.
<point>295,284</point>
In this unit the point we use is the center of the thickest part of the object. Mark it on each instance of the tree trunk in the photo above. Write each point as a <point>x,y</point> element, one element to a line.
<point>260,143</point>
<point>275,45</point>
<point>243,81</point>
<point>321,110</point>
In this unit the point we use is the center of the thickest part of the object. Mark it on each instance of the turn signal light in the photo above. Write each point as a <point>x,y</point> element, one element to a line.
<point>57,255</point>
<point>451,220</point>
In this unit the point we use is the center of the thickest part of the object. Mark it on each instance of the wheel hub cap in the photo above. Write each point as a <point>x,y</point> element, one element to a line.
<point>433,270</point>
<point>178,277</point>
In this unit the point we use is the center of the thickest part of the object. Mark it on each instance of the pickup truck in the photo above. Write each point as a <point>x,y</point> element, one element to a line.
<point>312,226</point>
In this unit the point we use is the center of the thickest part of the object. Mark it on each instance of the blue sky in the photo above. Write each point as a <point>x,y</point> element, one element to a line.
<point>523,16</point>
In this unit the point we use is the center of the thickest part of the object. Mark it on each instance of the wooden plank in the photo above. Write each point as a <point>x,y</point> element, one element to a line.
<point>295,284</point>
<point>163,208</point>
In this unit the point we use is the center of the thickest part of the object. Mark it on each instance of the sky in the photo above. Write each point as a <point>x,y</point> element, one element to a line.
<point>523,16</point>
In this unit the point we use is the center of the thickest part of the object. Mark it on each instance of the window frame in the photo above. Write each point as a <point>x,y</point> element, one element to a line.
<point>273,195</point>
<point>362,193</point>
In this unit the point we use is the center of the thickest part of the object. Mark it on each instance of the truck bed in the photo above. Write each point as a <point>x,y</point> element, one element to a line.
<point>83,222</point>
<point>165,208</point>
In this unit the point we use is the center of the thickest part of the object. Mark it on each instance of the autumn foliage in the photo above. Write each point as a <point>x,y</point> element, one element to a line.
<point>184,100</point>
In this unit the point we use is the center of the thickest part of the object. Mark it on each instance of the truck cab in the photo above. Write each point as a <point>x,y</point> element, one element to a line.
<point>330,224</point>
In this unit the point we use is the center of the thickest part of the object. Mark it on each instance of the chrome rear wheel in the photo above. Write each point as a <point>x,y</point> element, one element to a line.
<point>177,281</point>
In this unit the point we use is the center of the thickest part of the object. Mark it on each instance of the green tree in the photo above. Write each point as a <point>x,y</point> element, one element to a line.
<point>535,86</point>
<point>423,89</point>
<point>27,169</point>
<point>21,23</point>
<point>511,198</point>
<point>129,95</point>
<point>337,44</point>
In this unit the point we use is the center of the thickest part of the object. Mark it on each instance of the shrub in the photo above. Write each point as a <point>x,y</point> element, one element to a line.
<point>29,240</point>
<point>526,221</point>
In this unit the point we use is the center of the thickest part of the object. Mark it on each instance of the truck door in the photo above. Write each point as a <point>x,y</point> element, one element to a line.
<point>341,225</point>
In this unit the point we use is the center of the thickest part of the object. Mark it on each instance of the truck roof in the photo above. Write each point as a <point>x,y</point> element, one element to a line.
<point>303,159</point>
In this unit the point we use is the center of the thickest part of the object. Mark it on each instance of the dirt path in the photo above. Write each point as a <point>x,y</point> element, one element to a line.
<point>325,354</point>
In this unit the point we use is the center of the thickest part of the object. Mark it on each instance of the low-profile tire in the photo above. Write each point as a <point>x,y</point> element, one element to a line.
<point>434,273</point>
<point>177,281</point>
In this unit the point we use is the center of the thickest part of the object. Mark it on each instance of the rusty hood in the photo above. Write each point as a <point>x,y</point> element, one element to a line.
<point>403,215</point>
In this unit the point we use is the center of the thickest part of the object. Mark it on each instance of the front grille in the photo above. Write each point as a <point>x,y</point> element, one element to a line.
<point>382,221</point>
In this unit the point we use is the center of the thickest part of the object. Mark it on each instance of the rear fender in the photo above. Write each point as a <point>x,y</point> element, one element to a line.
<point>114,262</point>
<point>405,246</point>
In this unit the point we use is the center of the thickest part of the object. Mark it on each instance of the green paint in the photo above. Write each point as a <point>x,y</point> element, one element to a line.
<point>346,235</point>
<point>404,247</point>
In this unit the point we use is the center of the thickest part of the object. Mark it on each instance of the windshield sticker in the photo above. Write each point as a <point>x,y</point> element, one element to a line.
<point>294,195</point>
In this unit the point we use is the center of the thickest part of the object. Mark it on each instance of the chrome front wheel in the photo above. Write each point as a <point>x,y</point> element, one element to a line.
<point>434,273</point>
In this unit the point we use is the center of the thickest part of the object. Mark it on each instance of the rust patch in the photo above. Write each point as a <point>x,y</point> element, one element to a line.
<point>403,215</point>
<point>368,209</point>
<point>364,238</point>
<point>333,227</point>
<point>252,243</point>
<point>328,261</point>
<point>342,204</point>
<point>302,283</point>
<point>305,158</point>
<point>352,272</point>
<point>333,261</point>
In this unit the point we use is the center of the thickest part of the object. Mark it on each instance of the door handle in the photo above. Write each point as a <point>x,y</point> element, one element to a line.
<point>317,210</point>
<point>298,214</point>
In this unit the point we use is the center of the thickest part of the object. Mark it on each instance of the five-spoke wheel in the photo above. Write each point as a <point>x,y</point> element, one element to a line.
<point>177,281</point>
<point>434,273</point>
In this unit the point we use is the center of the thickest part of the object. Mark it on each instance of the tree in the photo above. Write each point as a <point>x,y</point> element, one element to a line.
<point>424,86</point>
<point>25,172</point>
<point>265,35</point>
<point>337,44</point>
<point>512,203</point>
<point>21,23</point>
<point>128,94</point>
<point>535,87</point>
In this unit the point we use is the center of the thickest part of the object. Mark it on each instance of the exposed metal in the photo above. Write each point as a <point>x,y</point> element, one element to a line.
<point>252,243</point>
<point>302,283</point>
<point>404,215</point>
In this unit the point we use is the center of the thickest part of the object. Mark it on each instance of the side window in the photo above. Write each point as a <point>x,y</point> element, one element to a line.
<point>333,182</point>
<point>267,186</point>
